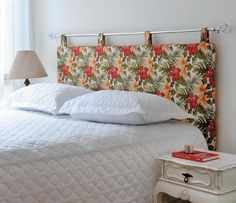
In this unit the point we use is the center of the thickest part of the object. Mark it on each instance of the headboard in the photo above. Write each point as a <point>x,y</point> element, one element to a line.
<point>183,73</point>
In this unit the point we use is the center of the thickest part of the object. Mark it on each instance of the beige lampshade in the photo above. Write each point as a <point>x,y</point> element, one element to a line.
<point>27,65</point>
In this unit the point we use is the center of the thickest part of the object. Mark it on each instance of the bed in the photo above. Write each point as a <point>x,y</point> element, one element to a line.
<point>47,158</point>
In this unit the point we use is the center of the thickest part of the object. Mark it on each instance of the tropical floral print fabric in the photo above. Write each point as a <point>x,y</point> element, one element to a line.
<point>183,73</point>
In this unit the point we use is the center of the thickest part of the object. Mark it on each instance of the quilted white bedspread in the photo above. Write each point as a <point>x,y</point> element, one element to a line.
<point>45,159</point>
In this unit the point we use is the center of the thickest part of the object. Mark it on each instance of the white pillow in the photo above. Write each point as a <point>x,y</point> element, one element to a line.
<point>45,97</point>
<point>112,106</point>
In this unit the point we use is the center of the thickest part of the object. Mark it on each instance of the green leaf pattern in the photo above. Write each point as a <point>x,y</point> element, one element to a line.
<point>183,73</point>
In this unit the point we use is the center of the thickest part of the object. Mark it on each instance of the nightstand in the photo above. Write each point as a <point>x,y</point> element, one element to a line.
<point>209,182</point>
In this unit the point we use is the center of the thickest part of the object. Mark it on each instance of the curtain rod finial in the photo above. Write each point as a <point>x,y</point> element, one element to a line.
<point>224,29</point>
<point>52,35</point>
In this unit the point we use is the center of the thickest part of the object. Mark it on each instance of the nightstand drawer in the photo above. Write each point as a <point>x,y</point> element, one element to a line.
<point>189,175</point>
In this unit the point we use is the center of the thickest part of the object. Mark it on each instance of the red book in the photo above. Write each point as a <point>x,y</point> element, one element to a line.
<point>196,156</point>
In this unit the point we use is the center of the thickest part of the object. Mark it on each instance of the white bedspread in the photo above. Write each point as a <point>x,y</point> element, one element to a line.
<point>45,159</point>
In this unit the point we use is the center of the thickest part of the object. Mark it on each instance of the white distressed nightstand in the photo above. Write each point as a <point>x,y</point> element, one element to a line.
<point>209,182</point>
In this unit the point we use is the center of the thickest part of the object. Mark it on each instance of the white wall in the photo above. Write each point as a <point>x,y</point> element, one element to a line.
<point>85,16</point>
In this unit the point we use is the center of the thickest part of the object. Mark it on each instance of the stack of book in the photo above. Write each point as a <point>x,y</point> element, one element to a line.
<point>199,156</point>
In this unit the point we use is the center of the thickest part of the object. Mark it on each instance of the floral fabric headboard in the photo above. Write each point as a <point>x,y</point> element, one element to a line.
<point>183,73</point>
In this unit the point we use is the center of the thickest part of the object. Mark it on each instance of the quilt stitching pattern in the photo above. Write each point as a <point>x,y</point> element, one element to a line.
<point>71,163</point>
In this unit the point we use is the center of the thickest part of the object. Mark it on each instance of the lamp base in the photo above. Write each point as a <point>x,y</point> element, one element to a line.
<point>27,82</point>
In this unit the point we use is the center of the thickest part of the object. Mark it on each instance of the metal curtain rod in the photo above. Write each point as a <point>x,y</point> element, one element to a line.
<point>222,29</point>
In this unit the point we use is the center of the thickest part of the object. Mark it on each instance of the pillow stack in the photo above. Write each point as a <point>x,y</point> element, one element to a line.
<point>107,106</point>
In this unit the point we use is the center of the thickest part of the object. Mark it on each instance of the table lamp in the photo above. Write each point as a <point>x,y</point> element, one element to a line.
<point>27,65</point>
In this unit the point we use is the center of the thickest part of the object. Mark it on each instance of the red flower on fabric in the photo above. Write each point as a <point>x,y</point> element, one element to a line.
<point>113,72</point>
<point>88,71</point>
<point>192,101</point>
<point>143,73</point>
<point>192,49</point>
<point>157,50</point>
<point>65,70</point>
<point>99,50</point>
<point>174,74</point>
<point>212,128</point>
<point>204,35</point>
<point>161,94</point>
<point>127,50</point>
<point>76,51</point>
<point>210,74</point>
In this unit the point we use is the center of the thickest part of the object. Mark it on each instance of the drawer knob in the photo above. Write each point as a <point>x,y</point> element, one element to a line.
<point>186,177</point>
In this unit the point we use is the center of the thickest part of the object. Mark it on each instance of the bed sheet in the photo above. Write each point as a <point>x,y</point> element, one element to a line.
<point>45,158</point>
